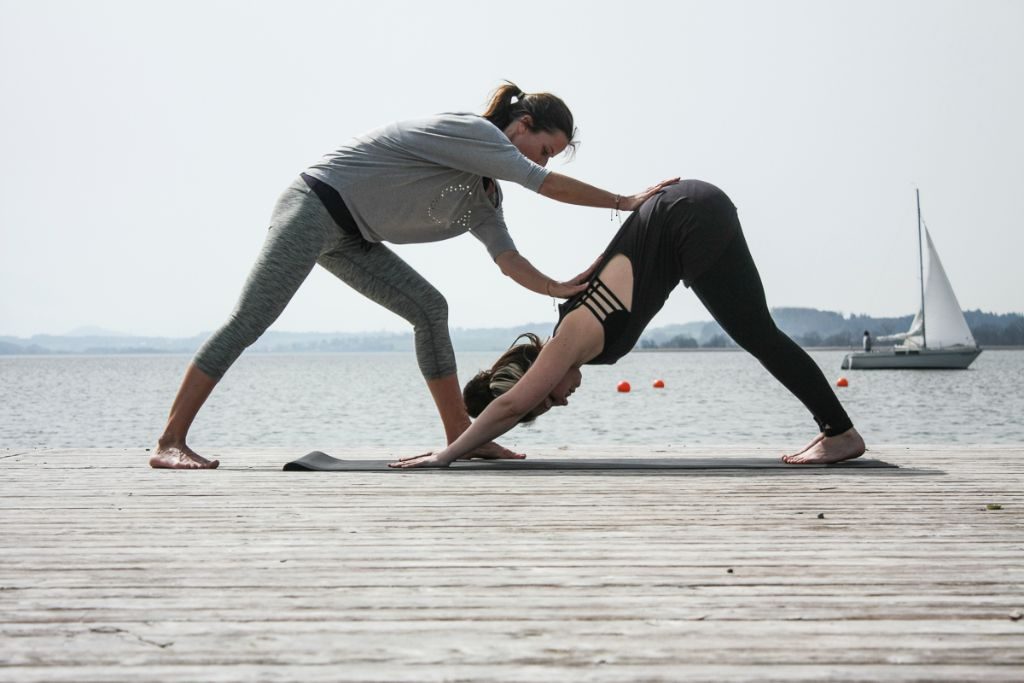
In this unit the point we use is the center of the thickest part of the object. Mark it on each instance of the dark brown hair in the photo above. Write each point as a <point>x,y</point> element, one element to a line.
<point>488,385</point>
<point>547,112</point>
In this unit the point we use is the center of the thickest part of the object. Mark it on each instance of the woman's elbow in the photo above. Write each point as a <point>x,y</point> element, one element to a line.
<point>550,187</point>
<point>506,262</point>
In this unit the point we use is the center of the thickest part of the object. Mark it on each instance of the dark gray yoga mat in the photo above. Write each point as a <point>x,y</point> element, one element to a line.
<point>321,462</point>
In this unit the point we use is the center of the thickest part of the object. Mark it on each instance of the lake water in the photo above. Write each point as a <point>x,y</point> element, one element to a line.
<point>307,401</point>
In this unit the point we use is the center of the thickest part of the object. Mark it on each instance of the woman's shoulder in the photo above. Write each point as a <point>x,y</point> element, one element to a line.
<point>455,124</point>
<point>578,328</point>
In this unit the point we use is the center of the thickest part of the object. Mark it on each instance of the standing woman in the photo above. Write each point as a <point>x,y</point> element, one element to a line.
<point>415,181</point>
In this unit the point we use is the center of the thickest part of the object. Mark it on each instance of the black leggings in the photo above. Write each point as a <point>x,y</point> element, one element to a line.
<point>732,292</point>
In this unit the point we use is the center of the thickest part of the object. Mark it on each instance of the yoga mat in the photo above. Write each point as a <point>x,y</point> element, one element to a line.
<point>321,462</point>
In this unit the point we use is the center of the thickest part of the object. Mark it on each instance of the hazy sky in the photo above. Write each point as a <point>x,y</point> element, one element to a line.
<point>143,144</point>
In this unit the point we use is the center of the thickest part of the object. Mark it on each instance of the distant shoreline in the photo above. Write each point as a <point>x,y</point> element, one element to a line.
<point>188,354</point>
<point>848,349</point>
<point>808,327</point>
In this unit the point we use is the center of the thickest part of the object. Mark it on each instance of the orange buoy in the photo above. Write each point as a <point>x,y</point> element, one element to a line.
<point>842,382</point>
<point>623,387</point>
<point>659,384</point>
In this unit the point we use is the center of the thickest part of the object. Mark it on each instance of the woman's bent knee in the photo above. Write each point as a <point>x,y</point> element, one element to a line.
<point>432,310</point>
<point>225,345</point>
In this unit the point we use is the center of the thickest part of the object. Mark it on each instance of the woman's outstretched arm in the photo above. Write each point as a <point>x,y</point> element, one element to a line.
<point>572,191</point>
<point>516,266</point>
<point>558,356</point>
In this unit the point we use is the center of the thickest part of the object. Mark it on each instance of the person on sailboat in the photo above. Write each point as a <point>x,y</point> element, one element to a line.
<point>688,232</point>
<point>867,341</point>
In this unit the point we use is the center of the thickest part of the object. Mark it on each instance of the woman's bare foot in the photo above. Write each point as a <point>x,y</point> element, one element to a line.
<point>813,442</point>
<point>492,451</point>
<point>829,449</point>
<point>180,457</point>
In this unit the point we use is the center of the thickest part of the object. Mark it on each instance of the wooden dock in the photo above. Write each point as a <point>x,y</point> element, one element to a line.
<point>112,571</point>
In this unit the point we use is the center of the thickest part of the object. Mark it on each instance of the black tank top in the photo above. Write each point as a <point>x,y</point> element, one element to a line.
<point>675,236</point>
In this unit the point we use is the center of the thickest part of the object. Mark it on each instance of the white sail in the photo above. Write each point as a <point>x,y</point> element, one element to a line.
<point>943,321</point>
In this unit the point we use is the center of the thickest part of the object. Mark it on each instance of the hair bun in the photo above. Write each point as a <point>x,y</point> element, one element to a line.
<point>477,393</point>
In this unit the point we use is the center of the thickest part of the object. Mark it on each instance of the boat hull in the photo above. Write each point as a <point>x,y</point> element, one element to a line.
<point>911,359</point>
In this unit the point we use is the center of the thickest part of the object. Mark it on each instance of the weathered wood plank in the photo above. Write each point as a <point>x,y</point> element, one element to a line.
<point>111,571</point>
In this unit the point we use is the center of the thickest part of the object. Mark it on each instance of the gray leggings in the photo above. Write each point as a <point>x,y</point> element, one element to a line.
<point>301,234</point>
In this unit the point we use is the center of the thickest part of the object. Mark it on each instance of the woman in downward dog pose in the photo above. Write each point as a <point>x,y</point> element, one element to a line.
<point>687,233</point>
<point>415,181</point>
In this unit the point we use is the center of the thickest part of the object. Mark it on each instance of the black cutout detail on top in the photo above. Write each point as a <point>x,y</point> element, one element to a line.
<point>599,300</point>
<point>606,308</point>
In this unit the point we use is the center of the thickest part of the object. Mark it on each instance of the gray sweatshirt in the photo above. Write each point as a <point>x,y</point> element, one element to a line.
<point>422,180</point>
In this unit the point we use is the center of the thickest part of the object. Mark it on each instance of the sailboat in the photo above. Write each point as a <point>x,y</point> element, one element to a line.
<point>939,337</point>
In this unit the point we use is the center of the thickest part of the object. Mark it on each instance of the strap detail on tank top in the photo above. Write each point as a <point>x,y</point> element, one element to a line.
<point>599,300</point>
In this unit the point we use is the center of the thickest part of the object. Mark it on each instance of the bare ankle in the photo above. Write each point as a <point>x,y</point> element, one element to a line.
<point>850,433</point>
<point>167,441</point>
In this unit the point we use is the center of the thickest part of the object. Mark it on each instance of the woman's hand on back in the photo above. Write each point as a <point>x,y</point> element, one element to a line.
<point>564,290</point>
<point>586,275</point>
<point>633,202</point>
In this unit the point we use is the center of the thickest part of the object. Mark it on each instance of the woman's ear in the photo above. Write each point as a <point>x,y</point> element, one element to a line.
<point>527,121</point>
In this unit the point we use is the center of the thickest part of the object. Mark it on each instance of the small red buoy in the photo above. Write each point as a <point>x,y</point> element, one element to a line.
<point>841,382</point>
<point>659,384</point>
<point>623,387</point>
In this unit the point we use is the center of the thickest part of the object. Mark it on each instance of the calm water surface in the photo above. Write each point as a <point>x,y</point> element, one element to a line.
<point>307,401</point>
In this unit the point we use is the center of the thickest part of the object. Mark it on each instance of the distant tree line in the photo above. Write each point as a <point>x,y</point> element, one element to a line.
<point>807,326</point>
<point>685,341</point>
<point>812,328</point>
<point>1011,334</point>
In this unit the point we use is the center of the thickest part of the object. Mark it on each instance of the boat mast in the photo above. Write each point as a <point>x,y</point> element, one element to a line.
<point>920,262</point>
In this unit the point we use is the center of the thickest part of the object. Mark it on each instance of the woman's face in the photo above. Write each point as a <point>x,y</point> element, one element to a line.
<point>536,145</point>
<point>559,396</point>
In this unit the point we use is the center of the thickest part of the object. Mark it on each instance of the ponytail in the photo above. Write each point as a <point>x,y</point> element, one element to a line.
<point>547,112</point>
<point>501,110</point>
